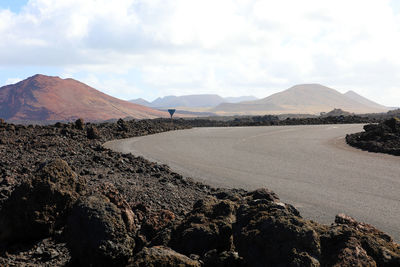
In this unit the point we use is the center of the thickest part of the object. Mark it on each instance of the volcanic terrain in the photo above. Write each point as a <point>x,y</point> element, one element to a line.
<point>65,200</point>
<point>47,98</point>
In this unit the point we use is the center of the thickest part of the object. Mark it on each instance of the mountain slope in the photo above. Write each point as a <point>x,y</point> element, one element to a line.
<point>304,98</point>
<point>191,101</point>
<point>204,100</point>
<point>44,98</point>
<point>363,100</point>
<point>140,101</point>
<point>237,99</point>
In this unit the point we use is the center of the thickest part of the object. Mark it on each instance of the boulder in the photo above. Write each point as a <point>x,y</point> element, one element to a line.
<point>97,234</point>
<point>393,124</point>
<point>155,222</point>
<point>79,124</point>
<point>341,247</point>
<point>39,206</point>
<point>271,233</point>
<point>208,226</point>
<point>349,242</point>
<point>92,133</point>
<point>160,256</point>
<point>122,125</point>
<point>113,195</point>
<point>263,193</point>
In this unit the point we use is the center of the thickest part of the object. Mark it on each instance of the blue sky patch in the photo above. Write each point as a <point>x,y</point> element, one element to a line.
<point>13,5</point>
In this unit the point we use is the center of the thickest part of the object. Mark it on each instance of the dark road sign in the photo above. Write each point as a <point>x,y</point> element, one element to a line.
<point>171,112</point>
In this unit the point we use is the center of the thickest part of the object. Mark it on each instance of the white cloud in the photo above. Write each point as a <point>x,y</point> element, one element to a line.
<point>230,47</point>
<point>112,86</point>
<point>12,81</point>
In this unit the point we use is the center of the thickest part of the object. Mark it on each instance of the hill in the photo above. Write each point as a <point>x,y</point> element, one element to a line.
<point>304,98</point>
<point>47,98</point>
<point>363,100</point>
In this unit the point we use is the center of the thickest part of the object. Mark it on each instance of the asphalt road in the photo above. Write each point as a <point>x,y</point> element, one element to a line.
<point>310,167</point>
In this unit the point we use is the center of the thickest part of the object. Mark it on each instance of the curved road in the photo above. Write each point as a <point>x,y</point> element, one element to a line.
<point>310,167</point>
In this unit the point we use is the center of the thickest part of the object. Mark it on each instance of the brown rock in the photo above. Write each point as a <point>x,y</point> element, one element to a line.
<point>155,222</point>
<point>39,206</point>
<point>79,124</point>
<point>360,226</point>
<point>92,133</point>
<point>342,247</point>
<point>354,255</point>
<point>208,226</point>
<point>97,235</point>
<point>263,193</point>
<point>122,125</point>
<point>160,256</point>
<point>361,237</point>
<point>270,233</point>
<point>116,198</point>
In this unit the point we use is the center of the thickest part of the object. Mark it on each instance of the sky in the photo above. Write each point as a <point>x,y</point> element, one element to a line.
<point>152,48</point>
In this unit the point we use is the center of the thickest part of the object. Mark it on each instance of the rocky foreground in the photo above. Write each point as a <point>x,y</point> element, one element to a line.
<point>383,137</point>
<point>66,200</point>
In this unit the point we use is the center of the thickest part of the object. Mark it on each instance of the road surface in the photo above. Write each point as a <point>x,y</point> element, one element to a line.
<point>310,167</point>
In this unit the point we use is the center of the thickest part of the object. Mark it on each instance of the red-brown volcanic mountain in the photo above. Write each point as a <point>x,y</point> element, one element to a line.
<point>42,98</point>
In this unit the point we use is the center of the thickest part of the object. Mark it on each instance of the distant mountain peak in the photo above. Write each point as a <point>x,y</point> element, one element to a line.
<point>352,93</point>
<point>199,100</point>
<point>191,101</point>
<point>311,98</point>
<point>308,84</point>
<point>42,77</point>
<point>363,100</point>
<point>140,101</point>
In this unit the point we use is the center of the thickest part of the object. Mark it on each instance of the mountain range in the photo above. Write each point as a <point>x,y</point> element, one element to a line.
<point>48,98</point>
<point>191,101</point>
<point>303,98</point>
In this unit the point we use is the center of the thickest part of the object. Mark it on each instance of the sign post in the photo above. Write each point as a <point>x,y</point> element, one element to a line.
<point>171,112</point>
